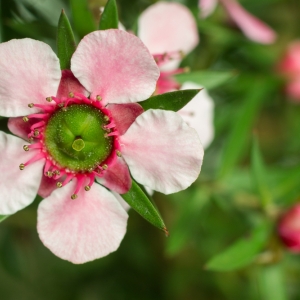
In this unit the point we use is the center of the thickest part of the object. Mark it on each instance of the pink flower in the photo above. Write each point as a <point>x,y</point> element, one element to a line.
<point>253,28</point>
<point>289,229</point>
<point>91,128</point>
<point>169,31</point>
<point>289,66</point>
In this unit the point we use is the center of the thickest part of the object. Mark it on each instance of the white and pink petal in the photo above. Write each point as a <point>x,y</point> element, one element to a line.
<point>81,230</point>
<point>162,151</point>
<point>199,113</point>
<point>30,72</point>
<point>115,65</point>
<point>18,188</point>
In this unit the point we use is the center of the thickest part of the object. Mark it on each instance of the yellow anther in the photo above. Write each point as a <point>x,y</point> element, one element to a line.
<point>182,54</point>
<point>74,196</point>
<point>59,184</point>
<point>98,97</point>
<point>87,188</point>
<point>106,118</point>
<point>36,133</point>
<point>61,104</point>
<point>49,99</point>
<point>25,119</point>
<point>90,170</point>
<point>71,95</point>
<point>118,153</point>
<point>30,140</point>
<point>26,148</point>
<point>22,166</point>
<point>64,109</point>
<point>31,105</point>
<point>49,174</point>
<point>187,69</point>
<point>56,172</point>
<point>104,167</point>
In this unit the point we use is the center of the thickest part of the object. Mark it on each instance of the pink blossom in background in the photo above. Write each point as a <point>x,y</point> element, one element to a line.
<point>111,70</point>
<point>289,229</point>
<point>252,27</point>
<point>169,31</point>
<point>289,66</point>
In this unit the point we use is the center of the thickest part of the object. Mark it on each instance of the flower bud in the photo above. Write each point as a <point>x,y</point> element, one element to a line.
<point>289,229</point>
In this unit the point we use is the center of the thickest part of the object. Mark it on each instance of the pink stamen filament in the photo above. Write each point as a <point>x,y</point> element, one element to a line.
<point>37,157</point>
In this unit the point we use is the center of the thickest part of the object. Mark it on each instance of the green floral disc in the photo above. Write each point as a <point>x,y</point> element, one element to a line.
<point>74,137</point>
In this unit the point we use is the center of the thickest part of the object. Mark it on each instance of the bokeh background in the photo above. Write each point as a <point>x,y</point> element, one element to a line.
<point>250,176</point>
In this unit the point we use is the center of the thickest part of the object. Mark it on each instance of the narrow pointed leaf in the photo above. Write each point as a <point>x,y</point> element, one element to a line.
<point>170,101</point>
<point>109,18</point>
<point>2,218</point>
<point>83,21</point>
<point>241,253</point>
<point>138,200</point>
<point>208,79</point>
<point>65,42</point>
<point>259,174</point>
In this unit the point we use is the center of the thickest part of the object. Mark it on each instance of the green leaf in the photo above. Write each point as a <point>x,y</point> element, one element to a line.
<point>259,174</point>
<point>241,253</point>
<point>2,218</point>
<point>169,101</point>
<point>65,41</point>
<point>208,79</point>
<point>240,131</point>
<point>271,283</point>
<point>109,18</point>
<point>138,200</point>
<point>83,21</point>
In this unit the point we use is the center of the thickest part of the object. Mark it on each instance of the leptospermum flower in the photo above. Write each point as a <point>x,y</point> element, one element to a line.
<point>90,128</point>
<point>252,27</point>
<point>289,66</point>
<point>169,31</point>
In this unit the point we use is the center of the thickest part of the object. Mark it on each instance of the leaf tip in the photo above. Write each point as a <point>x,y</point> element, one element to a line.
<point>166,231</point>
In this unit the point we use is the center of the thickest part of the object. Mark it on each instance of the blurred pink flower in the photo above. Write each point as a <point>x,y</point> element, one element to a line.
<point>113,70</point>
<point>289,229</point>
<point>252,27</point>
<point>289,66</point>
<point>169,31</point>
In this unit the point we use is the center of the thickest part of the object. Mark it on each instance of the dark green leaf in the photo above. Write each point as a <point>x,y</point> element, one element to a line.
<point>138,200</point>
<point>240,131</point>
<point>83,21</point>
<point>208,79</point>
<point>2,218</point>
<point>271,283</point>
<point>109,18</point>
<point>65,42</point>
<point>169,101</point>
<point>241,253</point>
<point>259,174</point>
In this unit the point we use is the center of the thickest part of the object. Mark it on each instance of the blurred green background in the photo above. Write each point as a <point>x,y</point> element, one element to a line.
<point>250,175</point>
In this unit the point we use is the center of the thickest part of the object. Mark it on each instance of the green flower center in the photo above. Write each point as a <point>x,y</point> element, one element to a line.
<point>75,137</point>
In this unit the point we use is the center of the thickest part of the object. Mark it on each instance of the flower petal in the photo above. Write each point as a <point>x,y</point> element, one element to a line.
<point>18,188</point>
<point>81,230</point>
<point>290,63</point>
<point>207,7</point>
<point>293,89</point>
<point>167,27</point>
<point>116,177</point>
<point>115,65</point>
<point>162,151</point>
<point>124,115</point>
<point>253,28</point>
<point>69,83</point>
<point>47,186</point>
<point>20,128</point>
<point>30,72</point>
<point>199,113</point>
